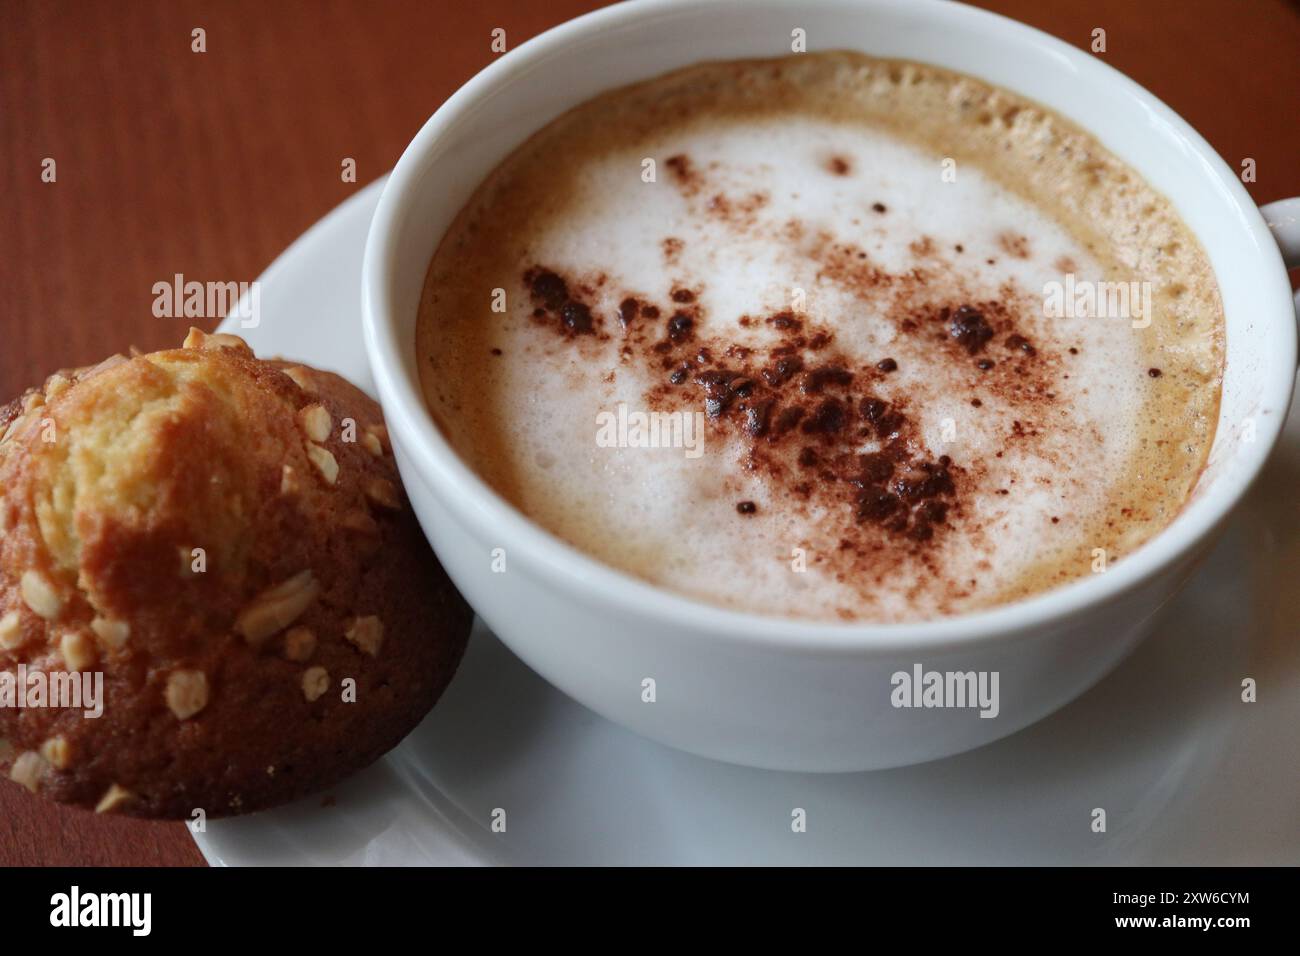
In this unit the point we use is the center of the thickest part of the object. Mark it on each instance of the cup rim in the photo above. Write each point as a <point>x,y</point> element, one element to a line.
<point>460,489</point>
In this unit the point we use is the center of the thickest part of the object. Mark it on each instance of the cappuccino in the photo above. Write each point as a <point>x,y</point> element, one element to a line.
<point>945,351</point>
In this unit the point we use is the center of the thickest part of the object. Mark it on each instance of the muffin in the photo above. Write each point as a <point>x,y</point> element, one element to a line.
<point>222,543</point>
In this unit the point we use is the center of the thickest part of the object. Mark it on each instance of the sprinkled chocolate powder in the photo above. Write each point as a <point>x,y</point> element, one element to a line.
<point>576,318</point>
<point>784,322</point>
<point>550,293</point>
<point>627,310</point>
<point>680,326</point>
<point>1017,341</point>
<point>814,381</point>
<point>803,426</point>
<point>970,329</point>
<point>546,287</point>
<point>784,369</point>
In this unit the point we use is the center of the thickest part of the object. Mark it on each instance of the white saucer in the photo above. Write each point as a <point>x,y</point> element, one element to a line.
<point>1186,772</point>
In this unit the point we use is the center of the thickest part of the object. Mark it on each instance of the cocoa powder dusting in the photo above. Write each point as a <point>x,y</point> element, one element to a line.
<point>1014,244</point>
<point>810,421</point>
<point>804,414</point>
<point>551,295</point>
<point>627,311</point>
<point>969,328</point>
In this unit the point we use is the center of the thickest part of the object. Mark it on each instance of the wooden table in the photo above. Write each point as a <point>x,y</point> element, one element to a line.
<point>208,164</point>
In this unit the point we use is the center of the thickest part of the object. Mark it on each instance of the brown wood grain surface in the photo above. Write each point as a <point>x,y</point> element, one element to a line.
<point>209,164</point>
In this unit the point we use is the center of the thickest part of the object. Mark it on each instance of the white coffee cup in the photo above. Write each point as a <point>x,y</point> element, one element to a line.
<point>767,691</point>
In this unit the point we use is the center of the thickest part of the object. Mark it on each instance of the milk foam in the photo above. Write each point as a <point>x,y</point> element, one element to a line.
<point>847,226</point>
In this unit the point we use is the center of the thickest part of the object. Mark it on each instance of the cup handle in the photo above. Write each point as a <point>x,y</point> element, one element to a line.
<point>1283,218</point>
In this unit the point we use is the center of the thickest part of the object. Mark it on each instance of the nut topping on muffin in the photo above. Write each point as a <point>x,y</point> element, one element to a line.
<point>276,608</point>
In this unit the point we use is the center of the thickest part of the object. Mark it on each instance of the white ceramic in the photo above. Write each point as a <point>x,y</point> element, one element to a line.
<point>761,690</point>
<point>1187,772</point>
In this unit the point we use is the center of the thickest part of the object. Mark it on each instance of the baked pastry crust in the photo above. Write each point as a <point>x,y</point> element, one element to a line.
<point>226,540</point>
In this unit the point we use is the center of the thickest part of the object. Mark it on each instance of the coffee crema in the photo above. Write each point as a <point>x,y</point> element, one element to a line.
<point>886,290</point>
